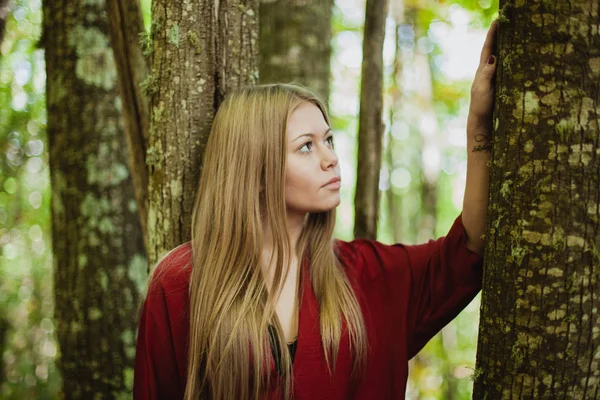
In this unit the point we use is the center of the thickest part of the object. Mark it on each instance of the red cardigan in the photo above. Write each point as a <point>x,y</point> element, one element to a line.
<point>407,294</point>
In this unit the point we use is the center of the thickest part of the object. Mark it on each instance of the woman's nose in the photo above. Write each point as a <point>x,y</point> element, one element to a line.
<point>329,159</point>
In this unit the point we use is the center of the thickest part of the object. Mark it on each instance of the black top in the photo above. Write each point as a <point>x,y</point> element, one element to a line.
<point>292,348</point>
<point>275,349</point>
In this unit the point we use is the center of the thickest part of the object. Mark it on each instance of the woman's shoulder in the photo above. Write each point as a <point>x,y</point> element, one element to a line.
<point>364,257</point>
<point>173,270</point>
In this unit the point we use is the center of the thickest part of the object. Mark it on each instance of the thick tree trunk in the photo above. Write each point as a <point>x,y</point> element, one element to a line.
<point>370,126</point>
<point>540,327</point>
<point>126,27</point>
<point>295,41</point>
<point>99,262</point>
<point>200,50</point>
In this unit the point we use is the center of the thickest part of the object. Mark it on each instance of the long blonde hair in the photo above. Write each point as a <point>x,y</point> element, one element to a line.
<point>242,183</point>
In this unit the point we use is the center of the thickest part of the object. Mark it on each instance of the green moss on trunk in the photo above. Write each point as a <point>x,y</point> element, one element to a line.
<point>199,54</point>
<point>98,248</point>
<point>540,327</point>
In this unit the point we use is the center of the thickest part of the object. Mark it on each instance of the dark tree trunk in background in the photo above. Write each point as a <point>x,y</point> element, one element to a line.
<point>98,250</point>
<point>370,130</point>
<point>295,41</point>
<point>539,336</point>
<point>200,50</point>
<point>4,12</point>
<point>4,328</point>
<point>394,201</point>
<point>429,140</point>
<point>126,28</point>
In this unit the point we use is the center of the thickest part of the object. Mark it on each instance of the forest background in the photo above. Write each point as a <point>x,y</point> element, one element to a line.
<point>430,58</point>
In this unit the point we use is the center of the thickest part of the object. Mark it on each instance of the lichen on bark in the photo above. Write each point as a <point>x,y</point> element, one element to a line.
<point>95,227</point>
<point>201,49</point>
<point>539,327</point>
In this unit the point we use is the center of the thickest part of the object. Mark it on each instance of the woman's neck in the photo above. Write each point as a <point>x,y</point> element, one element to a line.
<point>295,225</point>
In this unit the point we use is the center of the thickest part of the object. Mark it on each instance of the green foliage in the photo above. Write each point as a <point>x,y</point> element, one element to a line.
<point>26,300</point>
<point>145,5</point>
<point>149,85</point>
<point>146,43</point>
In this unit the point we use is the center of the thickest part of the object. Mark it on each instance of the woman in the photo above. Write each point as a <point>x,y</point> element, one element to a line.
<point>263,303</point>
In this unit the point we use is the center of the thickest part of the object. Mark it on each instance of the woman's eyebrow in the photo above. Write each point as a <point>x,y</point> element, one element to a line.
<point>311,134</point>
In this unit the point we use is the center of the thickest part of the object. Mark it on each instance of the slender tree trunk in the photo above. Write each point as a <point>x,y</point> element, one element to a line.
<point>99,262</point>
<point>4,328</point>
<point>394,201</point>
<point>295,41</point>
<point>200,50</point>
<point>429,145</point>
<point>4,13</point>
<point>126,28</point>
<point>429,139</point>
<point>370,130</point>
<point>539,334</point>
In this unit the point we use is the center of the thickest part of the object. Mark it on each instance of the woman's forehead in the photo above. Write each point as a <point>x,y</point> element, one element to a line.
<point>306,119</point>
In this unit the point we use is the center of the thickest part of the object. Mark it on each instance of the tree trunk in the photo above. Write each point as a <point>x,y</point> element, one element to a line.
<point>99,262</point>
<point>201,50</point>
<point>126,27</point>
<point>370,125</point>
<point>393,200</point>
<point>295,41</point>
<point>428,137</point>
<point>4,329</point>
<point>540,329</point>
<point>4,12</point>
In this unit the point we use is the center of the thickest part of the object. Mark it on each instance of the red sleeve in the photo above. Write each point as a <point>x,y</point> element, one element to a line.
<point>157,372</point>
<point>429,284</point>
<point>445,276</point>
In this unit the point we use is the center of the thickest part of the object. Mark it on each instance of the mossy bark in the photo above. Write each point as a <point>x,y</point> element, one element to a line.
<point>295,39</point>
<point>539,333</point>
<point>98,250</point>
<point>370,125</point>
<point>126,28</point>
<point>201,49</point>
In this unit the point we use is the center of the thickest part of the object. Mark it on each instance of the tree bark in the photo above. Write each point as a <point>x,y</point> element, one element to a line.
<point>98,250</point>
<point>4,12</point>
<point>126,28</point>
<point>370,126</point>
<point>540,328</point>
<point>295,39</point>
<point>428,143</point>
<point>4,329</point>
<point>394,201</point>
<point>200,51</point>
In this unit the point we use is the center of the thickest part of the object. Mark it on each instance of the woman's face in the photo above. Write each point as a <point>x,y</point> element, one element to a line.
<point>311,163</point>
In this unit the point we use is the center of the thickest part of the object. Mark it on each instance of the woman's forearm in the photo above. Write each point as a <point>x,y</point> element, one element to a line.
<point>475,202</point>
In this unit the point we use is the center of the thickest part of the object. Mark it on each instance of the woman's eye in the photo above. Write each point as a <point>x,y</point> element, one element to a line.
<point>329,140</point>
<point>306,148</point>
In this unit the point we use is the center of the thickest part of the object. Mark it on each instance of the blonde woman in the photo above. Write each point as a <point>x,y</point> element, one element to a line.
<point>263,303</point>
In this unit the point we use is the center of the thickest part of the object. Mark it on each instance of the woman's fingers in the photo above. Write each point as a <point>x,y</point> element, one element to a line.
<point>489,69</point>
<point>489,45</point>
<point>482,91</point>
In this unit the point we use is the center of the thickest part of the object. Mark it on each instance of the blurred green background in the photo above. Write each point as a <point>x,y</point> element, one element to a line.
<point>430,55</point>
